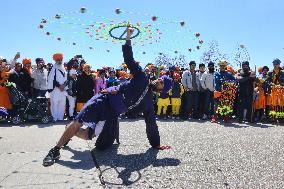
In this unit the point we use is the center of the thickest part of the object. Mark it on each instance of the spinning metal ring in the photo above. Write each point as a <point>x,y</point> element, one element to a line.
<point>121,37</point>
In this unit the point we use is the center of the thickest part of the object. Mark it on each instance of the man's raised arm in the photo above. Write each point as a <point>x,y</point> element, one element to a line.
<point>132,65</point>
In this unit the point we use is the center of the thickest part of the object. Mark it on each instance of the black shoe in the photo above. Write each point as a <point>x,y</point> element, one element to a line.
<point>51,157</point>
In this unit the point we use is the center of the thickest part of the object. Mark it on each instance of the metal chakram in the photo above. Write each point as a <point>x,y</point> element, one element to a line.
<point>121,36</point>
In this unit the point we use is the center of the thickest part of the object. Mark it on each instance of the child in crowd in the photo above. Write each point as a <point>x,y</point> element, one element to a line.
<point>163,102</point>
<point>175,94</point>
<point>112,80</point>
<point>72,92</point>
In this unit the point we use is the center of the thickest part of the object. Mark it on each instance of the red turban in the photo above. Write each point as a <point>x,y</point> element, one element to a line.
<point>26,61</point>
<point>58,57</point>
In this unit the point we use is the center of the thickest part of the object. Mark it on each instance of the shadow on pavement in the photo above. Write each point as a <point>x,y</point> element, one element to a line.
<point>132,163</point>
<point>82,160</point>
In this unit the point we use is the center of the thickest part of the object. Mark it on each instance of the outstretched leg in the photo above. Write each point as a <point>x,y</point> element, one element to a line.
<point>72,130</point>
<point>54,154</point>
<point>92,113</point>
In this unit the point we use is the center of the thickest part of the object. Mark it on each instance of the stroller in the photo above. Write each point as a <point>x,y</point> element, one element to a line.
<point>3,114</point>
<point>28,109</point>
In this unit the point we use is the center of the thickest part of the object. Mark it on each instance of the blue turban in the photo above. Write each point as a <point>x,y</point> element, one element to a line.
<point>245,63</point>
<point>276,61</point>
<point>211,64</point>
<point>37,60</point>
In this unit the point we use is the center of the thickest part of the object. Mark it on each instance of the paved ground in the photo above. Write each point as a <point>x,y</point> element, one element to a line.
<point>203,155</point>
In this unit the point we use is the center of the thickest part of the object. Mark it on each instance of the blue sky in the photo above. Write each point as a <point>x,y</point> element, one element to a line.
<point>258,24</point>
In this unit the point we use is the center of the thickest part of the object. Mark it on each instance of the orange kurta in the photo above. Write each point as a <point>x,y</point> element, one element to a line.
<point>260,103</point>
<point>276,97</point>
<point>4,92</point>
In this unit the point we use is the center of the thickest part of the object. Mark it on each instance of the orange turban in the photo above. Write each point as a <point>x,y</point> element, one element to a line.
<point>259,69</point>
<point>230,69</point>
<point>58,56</point>
<point>26,61</point>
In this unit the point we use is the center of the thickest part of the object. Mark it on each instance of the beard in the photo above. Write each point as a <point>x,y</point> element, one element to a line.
<point>211,70</point>
<point>246,70</point>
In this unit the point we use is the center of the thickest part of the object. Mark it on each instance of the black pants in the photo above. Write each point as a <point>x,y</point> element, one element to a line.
<point>245,103</point>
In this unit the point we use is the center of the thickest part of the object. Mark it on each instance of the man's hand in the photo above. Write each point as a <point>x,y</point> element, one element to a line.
<point>252,74</point>
<point>17,56</point>
<point>104,91</point>
<point>129,33</point>
<point>62,88</point>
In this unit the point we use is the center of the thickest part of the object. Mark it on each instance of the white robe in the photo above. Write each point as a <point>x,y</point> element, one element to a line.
<point>57,97</point>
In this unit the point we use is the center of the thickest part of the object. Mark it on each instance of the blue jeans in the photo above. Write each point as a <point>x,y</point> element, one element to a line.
<point>209,103</point>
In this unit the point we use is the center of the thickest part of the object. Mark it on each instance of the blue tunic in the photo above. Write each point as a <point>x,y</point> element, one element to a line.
<point>108,107</point>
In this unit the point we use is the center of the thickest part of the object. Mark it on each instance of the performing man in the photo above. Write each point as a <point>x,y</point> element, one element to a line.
<point>101,113</point>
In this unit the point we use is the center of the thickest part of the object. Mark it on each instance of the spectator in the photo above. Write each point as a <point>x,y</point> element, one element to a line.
<point>164,100</point>
<point>207,83</point>
<point>122,77</point>
<point>72,92</point>
<point>274,78</point>
<point>260,100</point>
<point>190,81</point>
<point>57,88</point>
<point>201,92</point>
<point>4,92</point>
<point>220,77</point>
<point>22,79</point>
<point>27,65</point>
<point>176,93</point>
<point>85,87</point>
<point>112,80</point>
<point>246,81</point>
<point>40,78</point>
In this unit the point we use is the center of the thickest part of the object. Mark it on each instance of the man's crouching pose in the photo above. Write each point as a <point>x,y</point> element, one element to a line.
<point>100,114</point>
